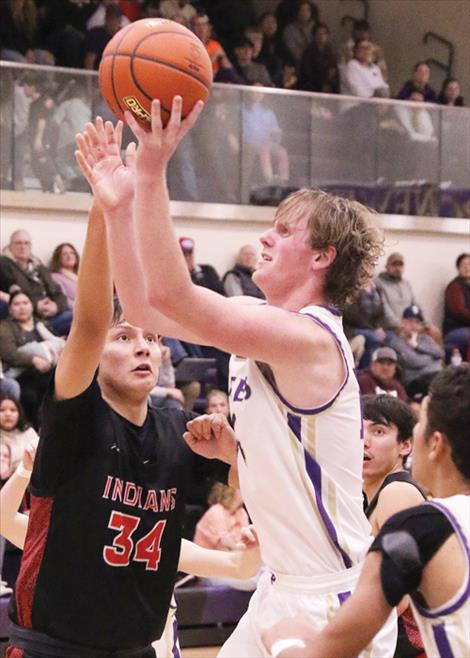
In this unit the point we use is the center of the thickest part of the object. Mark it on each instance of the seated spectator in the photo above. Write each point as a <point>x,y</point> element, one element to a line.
<point>98,18</point>
<point>397,294</point>
<point>238,280</point>
<point>456,326</point>
<point>416,121</point>
<point>361,30</point>
<point>19,34</point>
<point>274,54</point>
<point>365,317</point>
<point>297,34</point>
<point>230,18</point>
<point>379,378</point>
<point>221,526</point>
<point>419,80</point>
<point>201,275</point>
<point>21,270</point>
<point>28,351</point>
<point>172,8</point>
<point>360,77</point>
<point>250,72</point>
<point>151,9</point>
<point>421,357</point>
<point>97,38</point>
<point>64,270</point>
<point>450,93</point>
<point>217,403</point>
<point>189,389</point>
<point>318,69</point>
<point>165,392</point>
<point>261,131</point>
<point>202,28</point>
<point>9,387</point>
<point>254,35</point>
<point>15,431</point>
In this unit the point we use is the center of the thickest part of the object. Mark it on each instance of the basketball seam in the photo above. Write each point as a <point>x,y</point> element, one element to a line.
<point>162,107</point>
<point>112,72</point>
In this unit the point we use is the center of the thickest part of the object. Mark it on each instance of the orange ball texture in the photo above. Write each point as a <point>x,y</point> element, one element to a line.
<point>154,58</point>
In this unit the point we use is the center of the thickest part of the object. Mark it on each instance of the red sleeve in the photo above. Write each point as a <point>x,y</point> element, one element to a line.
<point>366,383</point>
<point>455,302</point>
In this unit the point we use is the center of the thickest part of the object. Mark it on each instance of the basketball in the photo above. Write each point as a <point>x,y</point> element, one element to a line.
<point>154,59</point>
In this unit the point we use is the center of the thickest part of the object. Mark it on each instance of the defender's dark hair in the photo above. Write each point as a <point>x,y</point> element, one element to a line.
<point>460,259</point>
<point>449,412</point>
<point>385,410</point>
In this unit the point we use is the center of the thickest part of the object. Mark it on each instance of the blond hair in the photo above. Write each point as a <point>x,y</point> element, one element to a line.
<point>346,225</point>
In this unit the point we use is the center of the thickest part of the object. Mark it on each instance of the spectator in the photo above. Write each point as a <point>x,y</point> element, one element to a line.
<point>221,526</point>
<point>360,77</point>
<point>202,29</point>
<point>238,281</point>
<point>43,135</point>
<point>297,34</point>
<point>19,269</point>
<point>416,121</point>
<point>274,54</point>
<point>217,403</point>
<point>29,351</point>
<point>250,72</point>
<point>365,317</point>
<point>151,9</point>
<point>201,275</point>
<point>97,38</point>
<point>179,351</point>
<point>9,387</point>
<point>172,8</point>
<point>19,33</point>
<point>98,18</point>
<point>397,294</point>
<point>165,392</point>
<point>15,431</point>
<point>64,270</point>
<point>420,356</point>
<point>380,377</point>
<point>63,29</point>
<point>254,35</point>
<point>230,18</point>
<point>72,114</point>
<point>261,131</point>
<point>361,30</point>
<point>318,69</point>
<point>450,93</point>
<point>420,80</point>
<point>457,307</point>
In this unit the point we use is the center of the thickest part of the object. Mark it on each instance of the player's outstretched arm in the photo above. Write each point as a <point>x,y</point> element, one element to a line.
<point>348,633</point>
<point>14,524</point>
<point>112,180</point>
<point>92,314</point>
<point>242,563</point>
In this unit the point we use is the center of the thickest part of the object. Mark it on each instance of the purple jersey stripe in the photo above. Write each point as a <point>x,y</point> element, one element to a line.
<point>315,410</point>
<point>343,597</point>
<point>463,540</point>
<point>175,650</point>
<point>314,473</point>
<point>442,641</point>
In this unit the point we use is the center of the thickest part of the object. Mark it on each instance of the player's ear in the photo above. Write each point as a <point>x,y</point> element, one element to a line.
<point>438,446</point>
<point>323,258</point>
<point>406,447</point>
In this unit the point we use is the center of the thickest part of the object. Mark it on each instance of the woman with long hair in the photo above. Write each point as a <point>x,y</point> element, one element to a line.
<point>64,266</point>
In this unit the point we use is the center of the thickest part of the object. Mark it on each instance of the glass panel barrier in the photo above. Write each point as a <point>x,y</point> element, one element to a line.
<point>252,145</point>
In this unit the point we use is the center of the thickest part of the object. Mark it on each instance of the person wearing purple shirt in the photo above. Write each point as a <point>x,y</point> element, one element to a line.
<point>420,80</point>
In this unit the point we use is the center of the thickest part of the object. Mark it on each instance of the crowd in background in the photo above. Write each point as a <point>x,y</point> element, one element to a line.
<point>289,48</point>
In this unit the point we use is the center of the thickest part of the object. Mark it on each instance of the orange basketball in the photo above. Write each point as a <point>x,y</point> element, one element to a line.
<point>154,58</point>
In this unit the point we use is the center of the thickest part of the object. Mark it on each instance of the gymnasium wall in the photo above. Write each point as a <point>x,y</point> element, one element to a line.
<point>429,245</point>
<point>399,26</point>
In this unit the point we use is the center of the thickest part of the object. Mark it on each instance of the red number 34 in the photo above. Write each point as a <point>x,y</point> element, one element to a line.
<point>147,549</point>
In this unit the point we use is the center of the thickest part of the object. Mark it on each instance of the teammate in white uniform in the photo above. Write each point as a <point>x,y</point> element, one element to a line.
<point>300,445</point>
<point>423,551</point>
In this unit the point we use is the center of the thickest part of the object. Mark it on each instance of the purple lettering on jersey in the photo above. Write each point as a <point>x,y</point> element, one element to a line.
<point>243,391</point>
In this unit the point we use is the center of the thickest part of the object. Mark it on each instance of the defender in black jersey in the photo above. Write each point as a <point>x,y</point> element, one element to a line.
<point>108,487</point>
<point>423,551</point>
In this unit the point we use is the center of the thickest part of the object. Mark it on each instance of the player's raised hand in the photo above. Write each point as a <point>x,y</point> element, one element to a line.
<point>247,553</point>
<point>212,437</point>
<point>29,455</point>
<point>158,145</point>
<point>99,158</point>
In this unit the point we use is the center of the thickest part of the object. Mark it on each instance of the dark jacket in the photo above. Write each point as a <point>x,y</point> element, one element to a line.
<point>206,276</point>
<point>37,283</point>
<point>370,385</point>
<point>11,338</point>
<point>247,284</point>
<point>457,304</point>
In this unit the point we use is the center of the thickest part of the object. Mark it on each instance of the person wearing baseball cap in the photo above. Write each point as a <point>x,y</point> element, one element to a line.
<point>379,378</point>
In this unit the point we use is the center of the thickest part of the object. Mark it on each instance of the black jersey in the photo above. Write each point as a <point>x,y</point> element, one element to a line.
<point>398,476</point>
<point>104,535</point>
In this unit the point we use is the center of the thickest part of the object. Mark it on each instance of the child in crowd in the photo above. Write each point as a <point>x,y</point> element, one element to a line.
<point>15,431</point>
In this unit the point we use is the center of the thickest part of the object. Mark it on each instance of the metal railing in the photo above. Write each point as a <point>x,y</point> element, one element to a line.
<point>253,145</point>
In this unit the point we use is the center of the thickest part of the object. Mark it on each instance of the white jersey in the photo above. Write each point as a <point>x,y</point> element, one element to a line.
<point>445,631</point>
<point>300,470</point>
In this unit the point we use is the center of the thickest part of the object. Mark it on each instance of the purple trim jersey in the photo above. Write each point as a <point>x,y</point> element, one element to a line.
<point>446,630</point>
<point>301,469</point>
